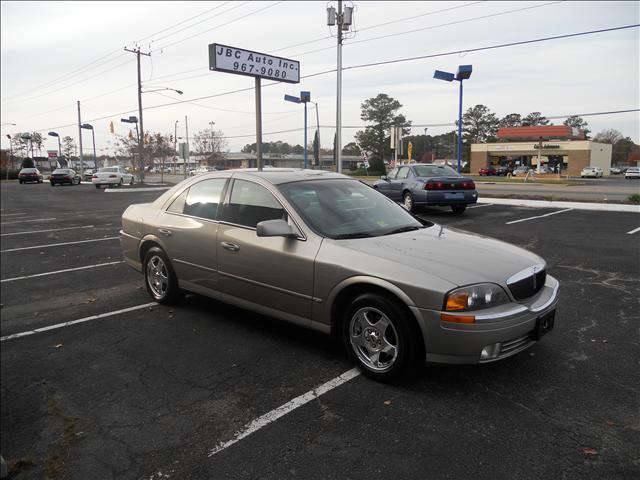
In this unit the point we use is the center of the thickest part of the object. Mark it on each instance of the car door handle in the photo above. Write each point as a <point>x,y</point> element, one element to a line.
<point>230,246</point>
<point>165,232</point>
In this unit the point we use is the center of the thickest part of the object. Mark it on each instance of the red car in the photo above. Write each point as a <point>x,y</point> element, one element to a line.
<point>487,171</point>
<point>30,175</point>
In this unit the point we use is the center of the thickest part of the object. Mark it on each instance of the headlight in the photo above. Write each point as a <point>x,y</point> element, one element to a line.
<point>475,297</point>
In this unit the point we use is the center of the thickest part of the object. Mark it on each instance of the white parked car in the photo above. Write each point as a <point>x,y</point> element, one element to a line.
<point>632,172</point>
<point>200,170</point>
<point>592,172</point>
<point>112,176</point>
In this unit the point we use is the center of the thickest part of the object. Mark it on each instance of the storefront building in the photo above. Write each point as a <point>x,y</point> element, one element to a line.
<point>557,146</point>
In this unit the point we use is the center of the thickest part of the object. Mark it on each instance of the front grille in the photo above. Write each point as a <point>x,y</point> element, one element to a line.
<point>528,286</point>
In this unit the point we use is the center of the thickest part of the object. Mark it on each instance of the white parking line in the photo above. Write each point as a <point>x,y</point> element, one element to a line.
<point>633,231</point>
<point>45,231</point>
<point>74,322</point>
<point>539,216</point>
<point>58,244</point>
<point>28,221</point>
<point>483,205</point>
<point>282,410</point>
<point>59,271</point>
<point>11,214</point>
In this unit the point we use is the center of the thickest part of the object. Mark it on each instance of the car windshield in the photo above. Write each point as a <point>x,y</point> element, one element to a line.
<point>342,209</point>
<point>434,171</point>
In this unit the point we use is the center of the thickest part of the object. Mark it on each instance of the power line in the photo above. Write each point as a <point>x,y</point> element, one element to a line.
<point>218,26</point>
<point>454,52</point>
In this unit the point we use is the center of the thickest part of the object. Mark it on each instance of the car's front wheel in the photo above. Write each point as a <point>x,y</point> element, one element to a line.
<point>159,277</point>
<point>380,338</point>
<point>407,202</point>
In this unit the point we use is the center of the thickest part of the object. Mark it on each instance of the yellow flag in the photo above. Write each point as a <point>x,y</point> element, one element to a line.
<point>111,129</point>
<point>130,135</point>
<point>409,150</point>
<point>146,139</point>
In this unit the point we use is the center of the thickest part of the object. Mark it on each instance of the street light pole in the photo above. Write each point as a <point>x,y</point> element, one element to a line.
<point>175,144</point>
<point>80,137</point>
<point>141,132</point>
<point>211,124</point>
<point>463,73</point>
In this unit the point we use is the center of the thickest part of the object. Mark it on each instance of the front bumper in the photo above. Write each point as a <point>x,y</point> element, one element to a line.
<point>503,331</point>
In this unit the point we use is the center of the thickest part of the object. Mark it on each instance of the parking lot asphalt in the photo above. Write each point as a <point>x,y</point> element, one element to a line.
<point>130,389</point>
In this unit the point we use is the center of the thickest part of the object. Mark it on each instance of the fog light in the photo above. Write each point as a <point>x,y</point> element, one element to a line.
<point>490,351</point>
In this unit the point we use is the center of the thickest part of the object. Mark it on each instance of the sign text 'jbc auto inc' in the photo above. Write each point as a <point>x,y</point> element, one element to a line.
<point>253,64</point>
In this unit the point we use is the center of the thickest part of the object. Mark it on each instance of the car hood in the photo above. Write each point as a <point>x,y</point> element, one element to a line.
<point>455,256</point>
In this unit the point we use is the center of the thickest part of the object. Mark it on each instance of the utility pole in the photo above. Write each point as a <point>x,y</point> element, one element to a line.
<point>80,137</point>
<point>141,132</point>
<point>186,129</point>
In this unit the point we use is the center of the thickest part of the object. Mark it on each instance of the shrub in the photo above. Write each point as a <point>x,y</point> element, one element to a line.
<point>635,198</point>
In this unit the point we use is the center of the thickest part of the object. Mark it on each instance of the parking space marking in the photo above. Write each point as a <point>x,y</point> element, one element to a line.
<point>483,205</point>
<point>60,271</point>
<point>58,244</point>
<point>45,231</point>
<point>11,214</point>
<point>75,322</point>
<point>27,221</point>
<point>633,231</point>
<point>539,216</point>
<point>282,410</point>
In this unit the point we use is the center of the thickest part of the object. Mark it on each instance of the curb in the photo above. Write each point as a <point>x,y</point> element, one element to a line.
<point>602,207</point>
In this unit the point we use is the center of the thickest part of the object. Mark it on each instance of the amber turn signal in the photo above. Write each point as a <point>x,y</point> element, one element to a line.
<point>457,318</point>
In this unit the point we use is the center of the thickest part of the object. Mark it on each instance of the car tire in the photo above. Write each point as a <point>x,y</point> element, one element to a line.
<point>53,184</point>
<point>407,202</point>
<point>120,183</point>
<point>159,277</point>
<point>98,186</point>
<point>131,182</point>
<point>380,338</point>
<point>458,209</point>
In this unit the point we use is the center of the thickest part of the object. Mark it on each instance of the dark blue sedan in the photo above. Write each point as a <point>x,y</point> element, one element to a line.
<point>423,184</point>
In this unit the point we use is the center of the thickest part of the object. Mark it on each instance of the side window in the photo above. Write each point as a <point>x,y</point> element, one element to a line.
<point>392,174</point>
<point>203,198</point>
<point>250,204</point>
<point>177,206</point>
<point>403,173</point>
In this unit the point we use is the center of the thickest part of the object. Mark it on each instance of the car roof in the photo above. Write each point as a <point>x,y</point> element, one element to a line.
<point>278,176</point>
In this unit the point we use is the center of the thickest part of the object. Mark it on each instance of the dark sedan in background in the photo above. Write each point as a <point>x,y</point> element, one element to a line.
<point>425,184</point>
<point>30,175</point>
<point>64,175</point>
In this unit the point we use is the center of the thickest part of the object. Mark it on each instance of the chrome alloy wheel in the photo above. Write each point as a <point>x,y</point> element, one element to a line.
<point>157,277</point>
<point>374,339</point>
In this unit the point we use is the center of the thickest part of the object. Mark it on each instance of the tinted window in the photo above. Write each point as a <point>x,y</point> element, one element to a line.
<point>403,173</point>
<point>203,198</point>
<point>250,204</point>
<point>434,171</point>
<point>392,174</point>
<point>177,206</point>
<point>346,208</point>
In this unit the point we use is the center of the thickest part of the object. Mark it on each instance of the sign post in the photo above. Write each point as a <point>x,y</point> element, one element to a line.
<point>228,59</point>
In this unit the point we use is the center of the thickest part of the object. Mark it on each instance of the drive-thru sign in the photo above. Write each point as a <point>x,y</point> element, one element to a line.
<point>258,65</point>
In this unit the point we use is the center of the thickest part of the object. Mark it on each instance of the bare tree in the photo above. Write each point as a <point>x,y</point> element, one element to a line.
<point>211,142</point>
<point>608,136</point>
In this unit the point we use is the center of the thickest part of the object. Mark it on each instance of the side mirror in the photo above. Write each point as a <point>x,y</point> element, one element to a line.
<point>275,228</point>
<point>384,177</point>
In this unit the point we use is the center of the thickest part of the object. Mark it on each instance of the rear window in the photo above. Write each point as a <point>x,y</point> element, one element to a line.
<point>29,170</point>
<point>108,169</point>
<point>61,171</point>
<point>434,171</point>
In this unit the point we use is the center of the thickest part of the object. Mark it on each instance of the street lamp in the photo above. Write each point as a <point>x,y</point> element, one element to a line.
<point>87,126</point>
<point>133,119</point>
<point>211,124</point>
<point>54,134</point>
<point>463,73</point>
<point>305,97</point>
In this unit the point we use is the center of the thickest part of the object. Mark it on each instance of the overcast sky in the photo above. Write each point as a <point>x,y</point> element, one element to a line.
<point>56,53</point>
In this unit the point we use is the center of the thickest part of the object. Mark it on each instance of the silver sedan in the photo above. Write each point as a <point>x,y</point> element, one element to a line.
<point>322,250</point>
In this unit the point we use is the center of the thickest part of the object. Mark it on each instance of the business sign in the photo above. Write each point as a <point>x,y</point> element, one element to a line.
<point>547,146</point>
<point>253,64</point>
<point>52,153</point>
